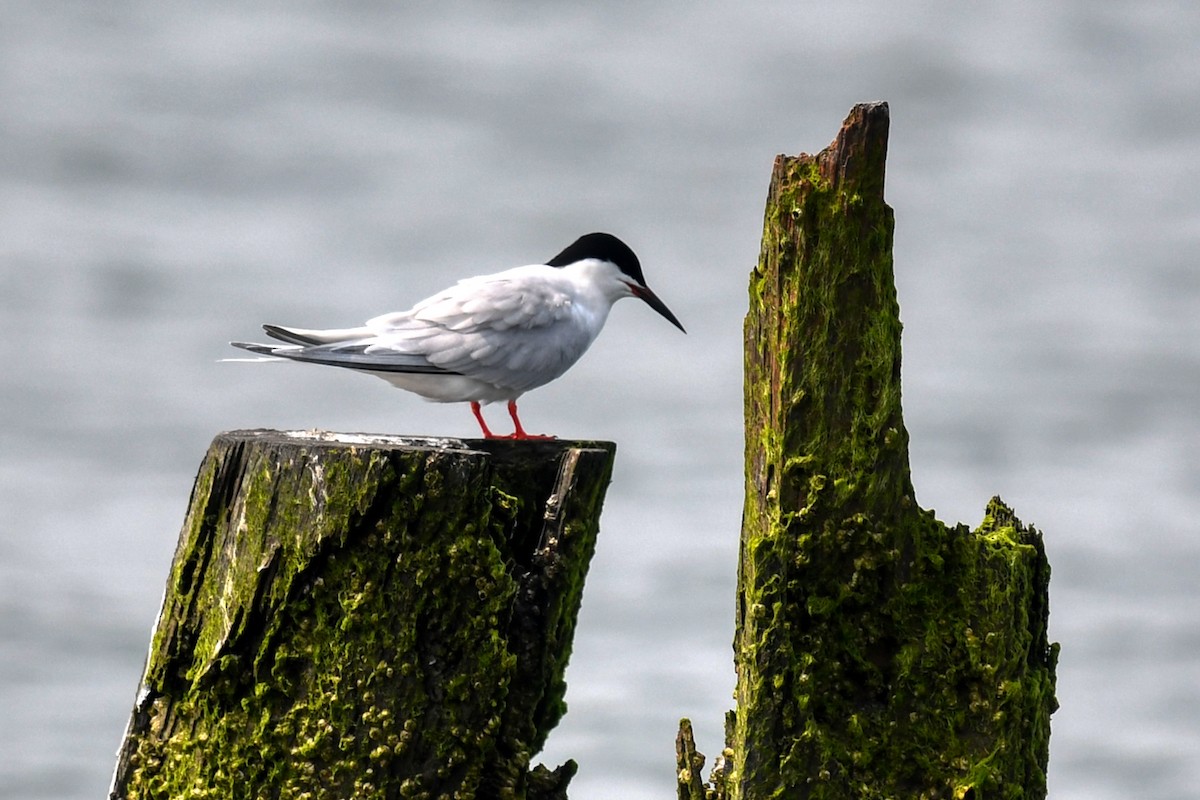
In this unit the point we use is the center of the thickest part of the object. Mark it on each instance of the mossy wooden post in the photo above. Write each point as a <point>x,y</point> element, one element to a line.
<point>367,617</point>
<point>879,653</point>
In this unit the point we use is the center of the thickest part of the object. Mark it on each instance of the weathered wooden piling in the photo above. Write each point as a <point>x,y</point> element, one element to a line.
<point>879,653</point>
<point>367,617</point>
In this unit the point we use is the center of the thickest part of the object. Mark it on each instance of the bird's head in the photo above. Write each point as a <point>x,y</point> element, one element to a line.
<point>607,248</point>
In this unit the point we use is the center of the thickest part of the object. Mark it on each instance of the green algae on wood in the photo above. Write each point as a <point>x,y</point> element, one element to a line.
<point>879,652</point>
<point>366,617</point>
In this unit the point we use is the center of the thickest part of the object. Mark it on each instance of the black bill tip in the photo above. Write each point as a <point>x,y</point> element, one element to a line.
<point>658,305</point>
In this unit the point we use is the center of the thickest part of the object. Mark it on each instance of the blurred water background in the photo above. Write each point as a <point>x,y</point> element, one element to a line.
<point>171,175</point>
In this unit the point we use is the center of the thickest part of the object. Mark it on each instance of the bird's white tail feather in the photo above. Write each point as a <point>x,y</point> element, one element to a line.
<point>327,335</point>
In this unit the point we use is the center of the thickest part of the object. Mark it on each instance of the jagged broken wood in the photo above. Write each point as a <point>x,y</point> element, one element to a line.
<point>368,617</point>
<point>879,653</point>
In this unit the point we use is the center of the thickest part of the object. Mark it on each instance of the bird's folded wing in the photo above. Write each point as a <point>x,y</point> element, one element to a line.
<point>507,331</point>
<point>519,359</point>
<point>499,302</point>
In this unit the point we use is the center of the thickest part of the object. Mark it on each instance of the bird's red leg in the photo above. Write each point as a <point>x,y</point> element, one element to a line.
<point>519,432</point>
<point>487,434</point>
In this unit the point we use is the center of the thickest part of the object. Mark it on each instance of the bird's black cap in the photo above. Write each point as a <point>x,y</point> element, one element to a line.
<point>605,247</point>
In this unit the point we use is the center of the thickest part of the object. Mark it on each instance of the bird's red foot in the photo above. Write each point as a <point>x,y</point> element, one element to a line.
<point>522,436</point>
<point>519,434</point>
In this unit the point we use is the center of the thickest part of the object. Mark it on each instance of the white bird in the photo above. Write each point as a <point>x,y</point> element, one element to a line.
<point>489,338</point>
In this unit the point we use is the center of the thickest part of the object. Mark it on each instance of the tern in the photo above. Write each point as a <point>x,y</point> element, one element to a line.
<point>489,338</point>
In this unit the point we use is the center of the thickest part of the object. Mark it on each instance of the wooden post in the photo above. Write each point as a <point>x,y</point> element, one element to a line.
<point>367,617</point>
<point>879,653</point>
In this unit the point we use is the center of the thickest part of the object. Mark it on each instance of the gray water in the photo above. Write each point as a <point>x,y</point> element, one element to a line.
<point>171,176</point>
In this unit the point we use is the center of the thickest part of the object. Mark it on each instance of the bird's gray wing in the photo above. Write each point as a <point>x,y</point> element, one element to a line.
<point>524,297</point>
<point>512,329</point>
